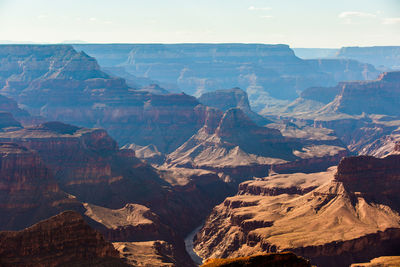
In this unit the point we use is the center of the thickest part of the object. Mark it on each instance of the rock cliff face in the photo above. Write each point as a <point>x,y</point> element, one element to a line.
<point>345,69</point>
<point>88,164</point>
<point>390,261</point>
<point>232,98</point>
<point>363,115</point>
<point>383,57</point>
<point>8,105</point>
<point>28,190</point>
<point>332,219</point>
<point>359,174</point>
<point>63,240</point>
<point>61,84</point>
<point>239,148</point>
<point>277,259</point>
<point>198,68</point>
<point>135,226</point>
<point>262,70</point>
<point>373,97</point>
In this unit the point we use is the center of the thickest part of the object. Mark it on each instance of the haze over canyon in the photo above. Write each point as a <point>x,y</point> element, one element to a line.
<point>224,154</point>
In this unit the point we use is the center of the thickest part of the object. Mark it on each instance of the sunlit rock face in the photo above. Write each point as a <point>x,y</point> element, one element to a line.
<point>379,96</point>
<point>238,147</point>
<point>334,218</point>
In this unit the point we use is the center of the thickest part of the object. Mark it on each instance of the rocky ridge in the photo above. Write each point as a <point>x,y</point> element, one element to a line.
<point>62,240</point>
<point>331,219</point>
<point>237,147</point>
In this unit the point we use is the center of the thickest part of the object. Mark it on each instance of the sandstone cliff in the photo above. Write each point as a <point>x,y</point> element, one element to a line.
<point>88,164</point>
<point>281,259</point>
<point>373,97</point>
<point>28,190</point>
<point>136,230</point>
<point>333,220</point>
<point>232,98</point>
<point>238,147</point>
<point>62,240</point>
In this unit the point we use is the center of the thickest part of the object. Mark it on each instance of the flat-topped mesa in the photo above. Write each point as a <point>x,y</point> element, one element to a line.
<point>62,240</point>
<point>178,53</point>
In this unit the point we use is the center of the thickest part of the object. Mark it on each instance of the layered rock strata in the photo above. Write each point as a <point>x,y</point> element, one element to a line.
<point>62,240</point>
<point>334,219</point>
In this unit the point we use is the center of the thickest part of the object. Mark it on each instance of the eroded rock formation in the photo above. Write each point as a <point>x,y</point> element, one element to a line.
<point>238,147</point>
<point>28,190</point>
<point>62,240</point>
<point>332,219</point>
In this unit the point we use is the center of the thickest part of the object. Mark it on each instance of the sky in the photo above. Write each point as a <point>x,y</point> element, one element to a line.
<point>299,23</point>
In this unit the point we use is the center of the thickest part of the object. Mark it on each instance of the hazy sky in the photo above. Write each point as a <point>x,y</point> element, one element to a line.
<point>299,23</point>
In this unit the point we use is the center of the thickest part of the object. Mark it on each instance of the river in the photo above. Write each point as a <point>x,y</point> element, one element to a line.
<point>189,246</point>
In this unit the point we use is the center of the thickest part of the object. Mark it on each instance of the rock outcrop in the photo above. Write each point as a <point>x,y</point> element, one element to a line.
<point>331,219</point>
<point>8,105</point>
<point>363,115</point>
<point>372,97</point>
<point>383,57</point>
<point>345,69</point>
<point>61,84</point>
<point>28,190</point>
<point>281,259</point>
<point>137,227</point>
<point>232,98</point>
<point>237,147</point>
<point>385,261</point>
<point>88,164</point>
<point>62,240</point>
<point>262,70</point>
<point>148,253</point>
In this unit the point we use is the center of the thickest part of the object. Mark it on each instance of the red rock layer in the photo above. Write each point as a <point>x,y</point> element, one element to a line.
<point>63,240</point>
<point>28,191</point>
<point>360,174</point>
